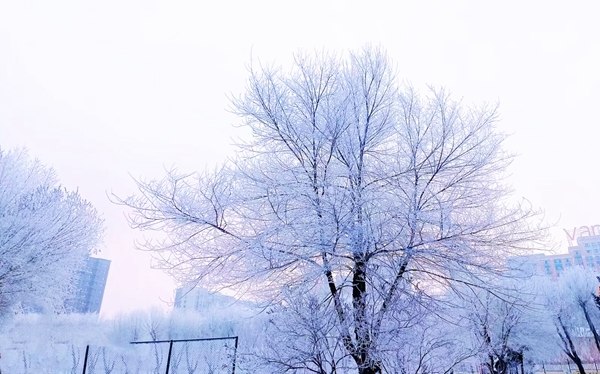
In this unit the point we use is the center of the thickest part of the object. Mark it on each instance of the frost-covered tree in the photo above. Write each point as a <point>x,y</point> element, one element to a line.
<point>46,232</point>
<point>300,335</point>
<point>352,186</point>
<point>579,286</point>
<point>509,325</point>
<point>569,302</point>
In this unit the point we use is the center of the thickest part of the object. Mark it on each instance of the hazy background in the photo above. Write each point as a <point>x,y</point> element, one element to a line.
<point>101,90</point>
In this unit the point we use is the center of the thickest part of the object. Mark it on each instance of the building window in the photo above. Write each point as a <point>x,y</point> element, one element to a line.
<point>558,264</point>
<point>547,267</point>
<point>578,258</point>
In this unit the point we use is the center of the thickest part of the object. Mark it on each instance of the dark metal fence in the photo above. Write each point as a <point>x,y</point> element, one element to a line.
<point>201,355</point>
<point>235,338</point>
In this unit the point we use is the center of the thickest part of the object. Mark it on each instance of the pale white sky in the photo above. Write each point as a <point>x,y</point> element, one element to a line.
<point>99,90</point>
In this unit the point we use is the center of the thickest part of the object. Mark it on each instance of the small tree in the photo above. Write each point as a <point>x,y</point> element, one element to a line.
<point>46,232</point>
<point>300,335</point>
<point>567,302</point>
<point>351,186</point>
<point>507,324</point>
<point>579,285</point>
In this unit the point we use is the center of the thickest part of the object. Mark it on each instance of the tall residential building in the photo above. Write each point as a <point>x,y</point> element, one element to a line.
<point>90,287</point>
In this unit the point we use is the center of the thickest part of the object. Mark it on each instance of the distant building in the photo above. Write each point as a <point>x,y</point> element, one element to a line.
<point>90,287</point>
<point>199,299</point>
<point>585,254</point>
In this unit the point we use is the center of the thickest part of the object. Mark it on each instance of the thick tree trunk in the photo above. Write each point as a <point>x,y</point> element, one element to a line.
<point>370,370</point>
<point>364,344</point>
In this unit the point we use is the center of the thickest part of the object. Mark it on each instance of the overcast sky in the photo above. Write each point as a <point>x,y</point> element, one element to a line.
<point>101,90</point>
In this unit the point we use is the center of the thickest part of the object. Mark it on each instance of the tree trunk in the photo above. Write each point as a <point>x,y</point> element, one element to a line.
<point>591,324</point>
<point>501,366</point>
<point>522,363</point>
<point>579,365</point>
<point>362,355</point>
<point>569,347</point>
<point>370,370</point>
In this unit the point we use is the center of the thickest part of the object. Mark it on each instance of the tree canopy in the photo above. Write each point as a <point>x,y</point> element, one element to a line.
<point>46,233</point>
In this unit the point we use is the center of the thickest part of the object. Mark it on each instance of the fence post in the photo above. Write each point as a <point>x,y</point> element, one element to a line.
<point>169,356</point>
<point>87,350</point>
<point>234,355</point>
